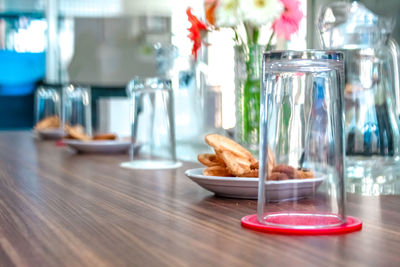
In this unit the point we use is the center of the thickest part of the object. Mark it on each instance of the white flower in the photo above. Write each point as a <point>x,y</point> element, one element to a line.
<point>226,13</point>
<point>260,12</point>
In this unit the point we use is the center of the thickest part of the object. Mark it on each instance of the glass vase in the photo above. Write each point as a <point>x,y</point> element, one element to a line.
<point>247,89</point>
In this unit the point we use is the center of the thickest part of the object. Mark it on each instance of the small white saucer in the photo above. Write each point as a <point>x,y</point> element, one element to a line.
<point>151,164</point>
<point>241,187</point>
<point>51,133</point>
<point>98,146</point>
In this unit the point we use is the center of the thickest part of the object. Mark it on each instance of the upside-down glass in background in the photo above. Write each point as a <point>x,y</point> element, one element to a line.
<point>152,124</point>
<point>302,139</point>
<point>77,108</point>
<point>48,111</point>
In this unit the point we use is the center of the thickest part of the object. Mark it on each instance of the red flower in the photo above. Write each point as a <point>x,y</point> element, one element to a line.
<point>196,31</point>
<point>290,19</point>
<point>209,7</point>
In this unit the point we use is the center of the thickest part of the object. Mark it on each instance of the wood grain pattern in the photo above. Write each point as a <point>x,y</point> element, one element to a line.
<point>58,208</point>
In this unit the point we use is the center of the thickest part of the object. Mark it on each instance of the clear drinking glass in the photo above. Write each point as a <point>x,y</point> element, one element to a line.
<point>77,108</point>
<point>302,140</point>
<point>48,111</point>
<point>152,124</point>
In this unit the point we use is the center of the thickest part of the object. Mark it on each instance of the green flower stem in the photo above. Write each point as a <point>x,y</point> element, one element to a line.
<point>236,38</point>
<point>251,95</point>
<point>251,108</point>
<point>268,48</point>
<point>256,33</point>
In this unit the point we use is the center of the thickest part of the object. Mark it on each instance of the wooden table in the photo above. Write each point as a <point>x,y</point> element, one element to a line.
<point>58,208</point>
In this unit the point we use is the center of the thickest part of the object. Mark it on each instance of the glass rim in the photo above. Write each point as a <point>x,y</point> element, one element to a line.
<point>77,85</point>
<point>59,86</point>
<point>138,83</point>
<point>304,54</point>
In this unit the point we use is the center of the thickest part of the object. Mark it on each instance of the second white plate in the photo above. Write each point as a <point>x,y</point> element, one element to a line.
<point>50,133</point>
<point>99,146</point>
<point>237,187</point>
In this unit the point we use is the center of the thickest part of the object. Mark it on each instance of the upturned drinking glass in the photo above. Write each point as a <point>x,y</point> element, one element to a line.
<point>302,140</point>
<point>77,107</point>
<point>48,120</point>
<point>152,124</point>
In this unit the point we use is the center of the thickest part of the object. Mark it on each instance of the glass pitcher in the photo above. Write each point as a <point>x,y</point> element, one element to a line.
<point>371,94</point>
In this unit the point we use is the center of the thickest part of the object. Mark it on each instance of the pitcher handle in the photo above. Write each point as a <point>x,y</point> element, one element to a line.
<point>395,50</point>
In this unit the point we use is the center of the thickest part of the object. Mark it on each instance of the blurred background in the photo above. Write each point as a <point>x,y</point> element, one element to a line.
<point>104,43</point>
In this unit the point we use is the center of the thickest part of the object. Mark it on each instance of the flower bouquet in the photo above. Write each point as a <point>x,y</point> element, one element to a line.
<point>247,18</point>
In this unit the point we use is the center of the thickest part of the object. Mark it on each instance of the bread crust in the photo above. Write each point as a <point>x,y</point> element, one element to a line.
<point>107,136</point>
<point>48,123</point>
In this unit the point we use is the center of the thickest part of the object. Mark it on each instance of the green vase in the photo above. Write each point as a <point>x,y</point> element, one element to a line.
<point>247,83</point>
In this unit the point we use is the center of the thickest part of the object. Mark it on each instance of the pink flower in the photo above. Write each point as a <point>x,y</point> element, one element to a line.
<point>290,19</point>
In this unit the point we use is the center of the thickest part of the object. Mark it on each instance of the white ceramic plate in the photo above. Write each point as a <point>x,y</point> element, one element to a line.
<point>236,187</point>
<point>98,146</point>
<point>50,133</point>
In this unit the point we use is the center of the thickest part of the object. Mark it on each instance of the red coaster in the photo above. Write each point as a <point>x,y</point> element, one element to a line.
<point>60,143</point>
<point>251,222</point>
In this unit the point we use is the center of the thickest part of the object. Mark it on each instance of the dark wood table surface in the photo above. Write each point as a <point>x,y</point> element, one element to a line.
<point>58,208</point>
